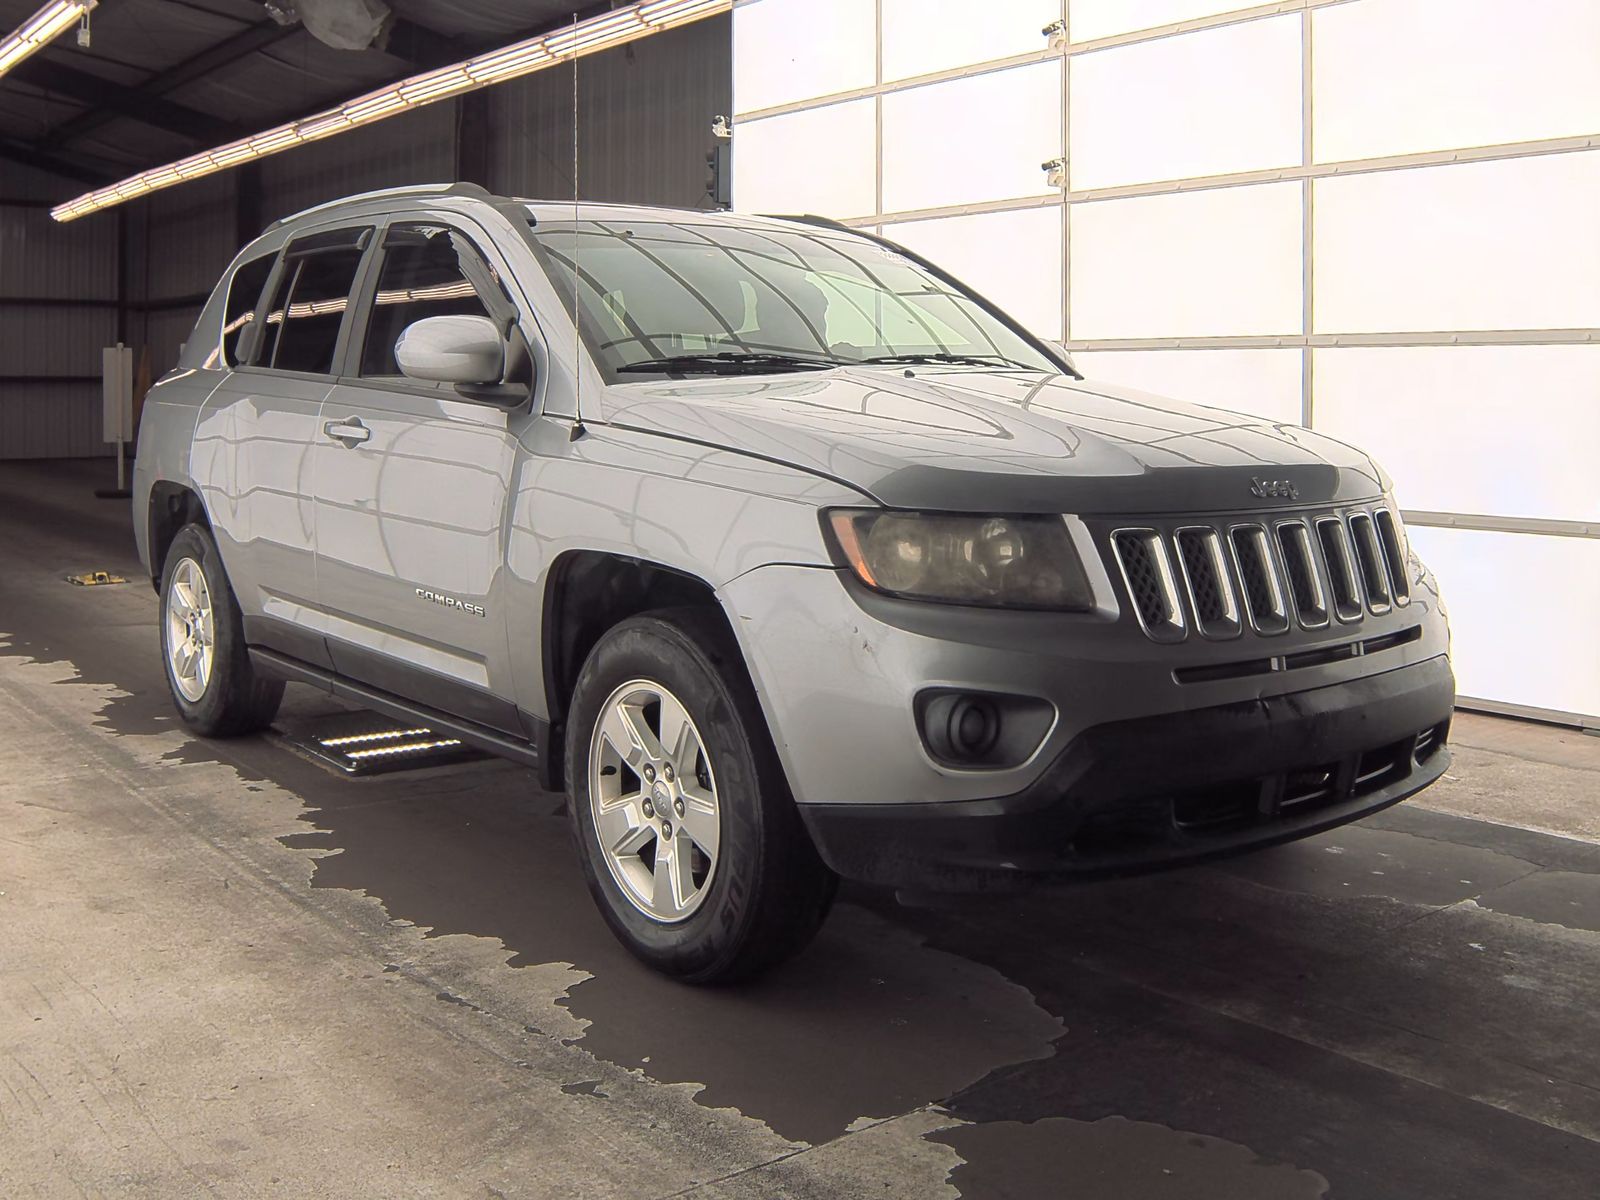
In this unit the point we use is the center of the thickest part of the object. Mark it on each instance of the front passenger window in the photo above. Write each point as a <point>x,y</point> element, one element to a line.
<point>421,277</point>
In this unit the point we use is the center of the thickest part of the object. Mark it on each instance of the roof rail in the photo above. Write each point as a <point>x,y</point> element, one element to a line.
<point>477,191</point>
<point>811,219</point>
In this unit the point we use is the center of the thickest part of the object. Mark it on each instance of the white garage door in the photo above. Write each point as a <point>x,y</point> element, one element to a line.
<point>1377,217</point>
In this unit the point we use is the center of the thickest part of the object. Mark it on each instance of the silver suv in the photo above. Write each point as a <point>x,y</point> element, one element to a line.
<point>784,553</point>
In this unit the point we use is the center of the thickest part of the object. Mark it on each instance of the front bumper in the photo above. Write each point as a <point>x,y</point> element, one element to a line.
<point>1157,791</point>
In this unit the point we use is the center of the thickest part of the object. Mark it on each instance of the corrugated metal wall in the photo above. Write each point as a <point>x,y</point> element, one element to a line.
<point>190,234</point>
<point>418,147</point>
<point>644,125</point>
<point>58,296</point>
<point>179,244</point>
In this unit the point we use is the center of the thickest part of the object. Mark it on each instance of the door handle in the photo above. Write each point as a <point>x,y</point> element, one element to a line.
<point>350,431</point>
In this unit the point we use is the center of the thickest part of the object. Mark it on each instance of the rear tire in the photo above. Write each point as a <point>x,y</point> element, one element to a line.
<point>216,690</point>
<point>707,873</point>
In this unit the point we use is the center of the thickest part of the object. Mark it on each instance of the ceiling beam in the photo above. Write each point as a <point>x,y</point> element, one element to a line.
<point>123,101</point>
<point>55,164</point>
<point>419,47</point>
<point>423,49</point>
<point>416,47</point>
<point>214,58</point>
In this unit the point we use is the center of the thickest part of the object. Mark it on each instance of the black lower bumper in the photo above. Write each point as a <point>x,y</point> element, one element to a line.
<point>1161,791</point>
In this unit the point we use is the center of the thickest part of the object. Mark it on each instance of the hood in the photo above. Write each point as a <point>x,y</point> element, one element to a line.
<point>978,441</point>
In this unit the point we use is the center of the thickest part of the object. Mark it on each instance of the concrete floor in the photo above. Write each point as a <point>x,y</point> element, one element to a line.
<point>226,971</point>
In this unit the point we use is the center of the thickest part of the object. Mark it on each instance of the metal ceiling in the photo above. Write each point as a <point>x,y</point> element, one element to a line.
<point>164,78</point>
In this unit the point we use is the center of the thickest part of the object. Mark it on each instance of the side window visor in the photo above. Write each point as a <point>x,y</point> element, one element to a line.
<point>312,294</point>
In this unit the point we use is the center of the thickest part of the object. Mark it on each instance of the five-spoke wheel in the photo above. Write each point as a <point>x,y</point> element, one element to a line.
<point>214,686</point>
<point>191,630</point>
<point>653,797</point>
<point>691,843</point>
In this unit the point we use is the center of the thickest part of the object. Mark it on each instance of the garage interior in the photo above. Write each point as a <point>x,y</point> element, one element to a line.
<point>227,969</point>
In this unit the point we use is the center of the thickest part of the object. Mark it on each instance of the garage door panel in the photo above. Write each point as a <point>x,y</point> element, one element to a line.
<point>1209,263</point>
<point>1493,245</point>
<point>776,58</point>
<point>1262,383</point>
<point>1512,599</point>
<point>971,140</point>
<point>1206,104</point>
<point>1406,76</point>
<point>1011,258</point>
<point>1505,431</point>
<point>924,36</point>
<point>777,167</point>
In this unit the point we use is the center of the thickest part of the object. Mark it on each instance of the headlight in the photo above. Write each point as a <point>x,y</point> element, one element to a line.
<point>997,562</point>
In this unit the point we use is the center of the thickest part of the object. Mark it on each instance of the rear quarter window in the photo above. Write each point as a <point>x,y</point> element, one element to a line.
<point>244,295</point>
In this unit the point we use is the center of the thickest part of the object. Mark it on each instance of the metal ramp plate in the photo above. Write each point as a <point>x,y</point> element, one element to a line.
<point>365,743</point>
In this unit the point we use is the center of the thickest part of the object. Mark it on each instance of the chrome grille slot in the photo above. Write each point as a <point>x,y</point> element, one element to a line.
<point>1336,554</point>
<point>1394,555</point>
<point>1205,578</point>
<point>1369,558</point>
<point>1268,572</point>
<point>1142,558</point>
<point>1300,566</point>
<point>1263,596</point>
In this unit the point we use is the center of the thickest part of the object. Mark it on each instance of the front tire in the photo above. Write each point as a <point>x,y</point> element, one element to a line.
<point>689,838</point>
<point>216,690</point>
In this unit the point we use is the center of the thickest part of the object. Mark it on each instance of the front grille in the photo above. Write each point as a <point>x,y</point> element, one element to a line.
<point>1262,595</point>
<point>1205,577</point>
<point>1394,555</point>
<point>1218,577</point>
<point>1369,558</point>
<point>1335,541</point>
<point>1142,555</point>
<point>1300,562</point>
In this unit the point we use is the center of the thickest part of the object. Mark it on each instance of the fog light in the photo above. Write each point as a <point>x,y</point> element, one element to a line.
<point>961,728</point>
<point>981,731</point>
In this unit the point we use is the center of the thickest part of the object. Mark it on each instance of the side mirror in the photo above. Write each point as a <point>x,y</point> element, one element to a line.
<point>459,349</point>
<point>1065,356</point>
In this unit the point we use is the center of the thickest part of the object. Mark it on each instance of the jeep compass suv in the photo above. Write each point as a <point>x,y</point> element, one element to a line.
<point>785,554</point>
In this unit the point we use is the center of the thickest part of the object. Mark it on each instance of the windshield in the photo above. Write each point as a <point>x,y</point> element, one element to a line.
<point>675,297</point>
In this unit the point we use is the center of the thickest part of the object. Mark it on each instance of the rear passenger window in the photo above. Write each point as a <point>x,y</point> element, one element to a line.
<point>244,293</point>
<point>308,307</point>
<point>421,277</point>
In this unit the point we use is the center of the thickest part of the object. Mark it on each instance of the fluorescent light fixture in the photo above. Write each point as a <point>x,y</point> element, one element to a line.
<point>39,30</point>
<point>508,62</point>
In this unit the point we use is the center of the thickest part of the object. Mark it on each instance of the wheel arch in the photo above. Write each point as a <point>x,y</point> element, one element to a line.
<point>589,592</point>
<point>172,506</point>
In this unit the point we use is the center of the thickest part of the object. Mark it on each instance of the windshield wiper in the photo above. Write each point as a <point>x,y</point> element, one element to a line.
<point>970,360</point>
<point>730,362</point>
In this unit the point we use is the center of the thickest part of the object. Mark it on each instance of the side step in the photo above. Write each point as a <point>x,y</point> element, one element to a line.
<point>366,743</point>
<point>441,726</point>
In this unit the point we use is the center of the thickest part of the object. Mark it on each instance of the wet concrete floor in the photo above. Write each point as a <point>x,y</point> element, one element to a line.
<point>1403,1008</point>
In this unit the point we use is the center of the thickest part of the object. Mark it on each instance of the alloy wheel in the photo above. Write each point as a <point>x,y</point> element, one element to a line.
<point>191,630</point>
<point>653,800</point>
